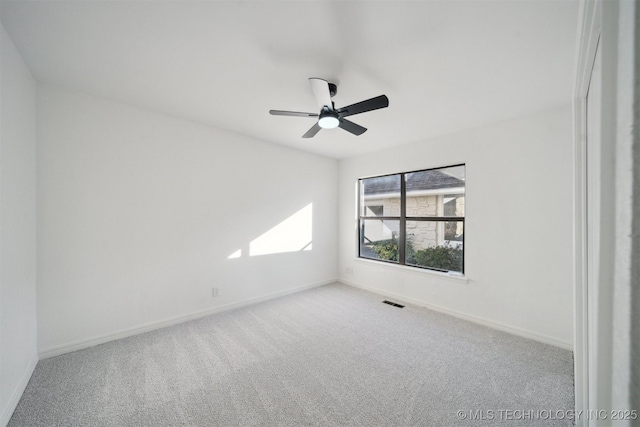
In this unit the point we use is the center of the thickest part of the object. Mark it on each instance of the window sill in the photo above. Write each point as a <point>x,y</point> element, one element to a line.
<point>414,270</point>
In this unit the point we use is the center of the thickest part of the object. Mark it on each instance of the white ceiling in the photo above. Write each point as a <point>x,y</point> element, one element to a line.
<point>445,65</point>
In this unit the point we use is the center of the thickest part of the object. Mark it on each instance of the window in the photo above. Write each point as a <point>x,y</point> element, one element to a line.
<point>414,218</point>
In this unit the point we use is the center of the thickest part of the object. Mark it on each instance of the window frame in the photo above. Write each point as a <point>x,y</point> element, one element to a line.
<point>402,218</point>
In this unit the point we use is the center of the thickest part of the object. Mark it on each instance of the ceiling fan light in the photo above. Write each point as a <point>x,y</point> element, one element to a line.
<point>328,122</point>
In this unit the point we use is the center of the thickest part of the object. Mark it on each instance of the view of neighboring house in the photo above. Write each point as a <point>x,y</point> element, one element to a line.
<point>430,194</point>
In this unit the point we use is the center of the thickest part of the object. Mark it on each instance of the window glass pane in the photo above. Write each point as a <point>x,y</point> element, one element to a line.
<point>453,205</point>
<point>379,239</point>
<point>435,244</point>
<point>436,192</point>
<point>380,196</point>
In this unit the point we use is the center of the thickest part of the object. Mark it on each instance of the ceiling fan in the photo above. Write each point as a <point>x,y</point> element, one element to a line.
<point>330,117</point>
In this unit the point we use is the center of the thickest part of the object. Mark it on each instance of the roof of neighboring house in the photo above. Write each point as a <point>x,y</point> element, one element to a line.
<point>416,181</point>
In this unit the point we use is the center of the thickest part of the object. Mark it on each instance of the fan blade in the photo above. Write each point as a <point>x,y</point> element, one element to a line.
<point>312,132</point>
<point>361,107</point>
<point>291,113</point>
<point>352,127</point>
<point>320,89</point>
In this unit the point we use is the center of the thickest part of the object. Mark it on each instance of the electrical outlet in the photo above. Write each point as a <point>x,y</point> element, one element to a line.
<point>215,292</point>
<point>349,270</point>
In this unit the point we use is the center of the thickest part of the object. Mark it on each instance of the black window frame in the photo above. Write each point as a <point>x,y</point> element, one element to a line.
<point>402,232</point>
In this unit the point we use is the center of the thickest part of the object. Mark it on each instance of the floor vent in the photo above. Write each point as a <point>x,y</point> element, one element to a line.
<point>393,304</point>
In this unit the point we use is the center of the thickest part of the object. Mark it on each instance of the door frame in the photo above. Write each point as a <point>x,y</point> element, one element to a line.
<point>610,28</point>
<point>589,32</point>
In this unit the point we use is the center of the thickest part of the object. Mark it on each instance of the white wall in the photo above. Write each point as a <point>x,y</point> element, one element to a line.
<point>138,214</point>
<point>518,230</point>
<point>18,348</point>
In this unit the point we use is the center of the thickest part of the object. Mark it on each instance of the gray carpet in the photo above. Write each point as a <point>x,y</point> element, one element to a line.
<point>330,356</point>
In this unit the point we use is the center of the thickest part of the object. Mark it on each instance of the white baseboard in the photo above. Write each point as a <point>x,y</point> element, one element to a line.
<point>147,327</point>
<point>17,392</point>
<point>567,345</point>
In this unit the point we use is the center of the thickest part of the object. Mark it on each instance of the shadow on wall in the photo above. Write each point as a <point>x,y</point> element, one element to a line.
<point>294,234</point>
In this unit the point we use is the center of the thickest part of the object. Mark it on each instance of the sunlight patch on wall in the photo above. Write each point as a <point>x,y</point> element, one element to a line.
<point>236,254</point>
<point>294,234</point>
